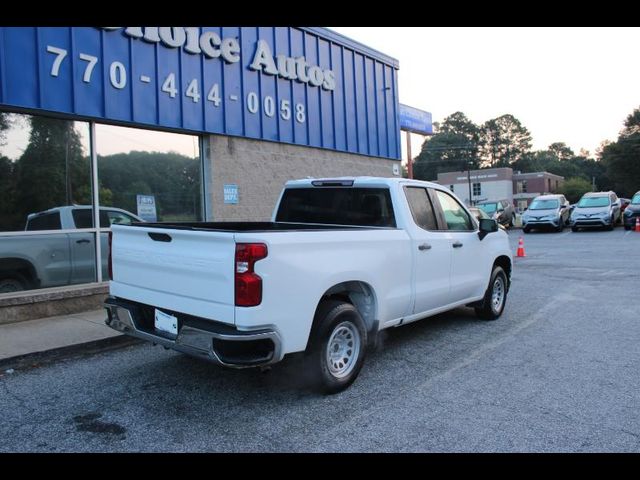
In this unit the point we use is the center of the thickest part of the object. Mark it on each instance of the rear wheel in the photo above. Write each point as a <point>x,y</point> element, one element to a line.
<point>12,284</point>
<point>495,297</point>
<point>338,345</point>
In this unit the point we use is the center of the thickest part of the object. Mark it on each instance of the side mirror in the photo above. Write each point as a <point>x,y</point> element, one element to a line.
<point>487,226</point>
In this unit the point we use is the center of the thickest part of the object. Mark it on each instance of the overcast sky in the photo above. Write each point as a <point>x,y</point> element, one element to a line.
<point>572,85</point>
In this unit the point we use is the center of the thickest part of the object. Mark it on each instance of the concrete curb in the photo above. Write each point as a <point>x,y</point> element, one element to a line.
<point>37,359</point>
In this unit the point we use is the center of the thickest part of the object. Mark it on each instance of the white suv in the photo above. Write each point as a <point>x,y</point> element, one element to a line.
<point>596,209</point>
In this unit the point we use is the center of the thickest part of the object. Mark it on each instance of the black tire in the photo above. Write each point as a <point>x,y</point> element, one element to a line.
<point>491,310</point>
<point>526,229</point>
<point>612,225</point>
<point>12,284</point>
<point>574,229</point>
<point>339,325</point>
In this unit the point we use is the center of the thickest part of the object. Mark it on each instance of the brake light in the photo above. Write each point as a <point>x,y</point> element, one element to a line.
<point>110,263</point>
<point>248,284</point>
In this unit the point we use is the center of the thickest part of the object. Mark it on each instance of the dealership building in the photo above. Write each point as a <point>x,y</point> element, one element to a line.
<point>169,124</point>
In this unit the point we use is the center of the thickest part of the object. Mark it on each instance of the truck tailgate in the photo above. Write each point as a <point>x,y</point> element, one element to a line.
<point>181,270</point>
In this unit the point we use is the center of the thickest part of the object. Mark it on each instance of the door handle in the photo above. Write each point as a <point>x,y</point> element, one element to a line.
<point>457,245</point>
<point>424,246</point>
<point>84,240</point>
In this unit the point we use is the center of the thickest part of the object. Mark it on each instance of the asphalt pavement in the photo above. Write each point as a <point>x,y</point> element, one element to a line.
<point>558,372</point>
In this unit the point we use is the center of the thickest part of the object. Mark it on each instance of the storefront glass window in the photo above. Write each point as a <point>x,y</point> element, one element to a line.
<point>47,228</point>
<point>45,174</point>
<point>152,175</point>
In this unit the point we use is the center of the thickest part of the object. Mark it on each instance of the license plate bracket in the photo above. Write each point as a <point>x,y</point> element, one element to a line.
<point>166,323</point>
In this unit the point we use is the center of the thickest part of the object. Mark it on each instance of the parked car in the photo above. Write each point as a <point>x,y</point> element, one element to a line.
<point>37,261</point>
<point>632,212</point>
<point>624,203</point>
<point>341,260</point>
<point>546,211</point>
<point>480,214</point>
<point>501,211</point>
<point>596,209</point>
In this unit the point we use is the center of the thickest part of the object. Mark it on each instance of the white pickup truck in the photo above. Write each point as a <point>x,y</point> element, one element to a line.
<point>341,260</point>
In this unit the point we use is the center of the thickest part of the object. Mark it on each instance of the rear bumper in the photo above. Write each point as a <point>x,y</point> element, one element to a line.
<point>213,341</point>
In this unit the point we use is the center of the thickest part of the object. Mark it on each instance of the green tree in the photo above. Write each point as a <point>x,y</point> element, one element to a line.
<point>444,152</point>
<point>453,147</point>
<point>574,188</point>
<point>503,141</point>
<point>172,178</point>
<point>622,157</point>
<point>561,151</point>
<point>52,171</point>
<point>4,126</point>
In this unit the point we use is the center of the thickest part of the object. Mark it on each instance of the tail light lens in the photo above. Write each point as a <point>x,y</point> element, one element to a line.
<point>110,263</point>
<point>248,284</point>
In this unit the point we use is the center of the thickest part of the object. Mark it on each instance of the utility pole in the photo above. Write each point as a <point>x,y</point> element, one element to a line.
<point>469,182</point>
<point>409,165</point>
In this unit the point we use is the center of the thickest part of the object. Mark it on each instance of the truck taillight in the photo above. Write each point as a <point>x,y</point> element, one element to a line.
<point>248,284</point>
<point>110,264</point>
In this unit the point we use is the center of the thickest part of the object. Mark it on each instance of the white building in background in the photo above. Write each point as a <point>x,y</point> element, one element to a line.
<point>500,184</point>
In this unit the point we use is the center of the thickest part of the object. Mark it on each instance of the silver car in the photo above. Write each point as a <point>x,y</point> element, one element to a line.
<point>546,211</point>
<point>596,209</point>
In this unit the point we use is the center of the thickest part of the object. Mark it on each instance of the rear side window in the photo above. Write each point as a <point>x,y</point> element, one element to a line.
<point>119,218</point>
<point>421,208</point>
<point>82,217</point>
<point>47,221</point>
<point>337,206</point>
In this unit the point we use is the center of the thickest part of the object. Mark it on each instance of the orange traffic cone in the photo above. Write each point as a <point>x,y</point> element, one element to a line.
<point>637,229</point>
<point>520,252</point>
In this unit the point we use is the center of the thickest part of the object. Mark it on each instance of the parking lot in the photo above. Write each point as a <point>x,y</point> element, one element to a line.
<point>558,372</point>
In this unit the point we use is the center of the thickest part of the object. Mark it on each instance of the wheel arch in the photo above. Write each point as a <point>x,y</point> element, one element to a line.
<point>505,262</point>
<point>358,293</point>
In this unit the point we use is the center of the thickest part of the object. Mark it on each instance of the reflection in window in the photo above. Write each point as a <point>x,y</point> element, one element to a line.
<point>44,171</point>
<point>454,214</point>
<point>44,163</point>
<point>163,165</point>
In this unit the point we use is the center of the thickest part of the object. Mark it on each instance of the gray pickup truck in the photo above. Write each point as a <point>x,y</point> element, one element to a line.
<point>33,260</point>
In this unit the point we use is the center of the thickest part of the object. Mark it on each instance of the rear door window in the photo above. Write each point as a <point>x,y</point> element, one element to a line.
<point>421,208</point>
<point>47,221</point>
<point>82,217</point>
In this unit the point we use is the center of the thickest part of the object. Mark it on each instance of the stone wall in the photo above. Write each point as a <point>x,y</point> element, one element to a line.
<point>260,170</point>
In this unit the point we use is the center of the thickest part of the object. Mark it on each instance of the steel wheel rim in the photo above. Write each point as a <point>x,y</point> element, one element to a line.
<point>343,349</point>
<point>10,287</point>
<point>497,295</point>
